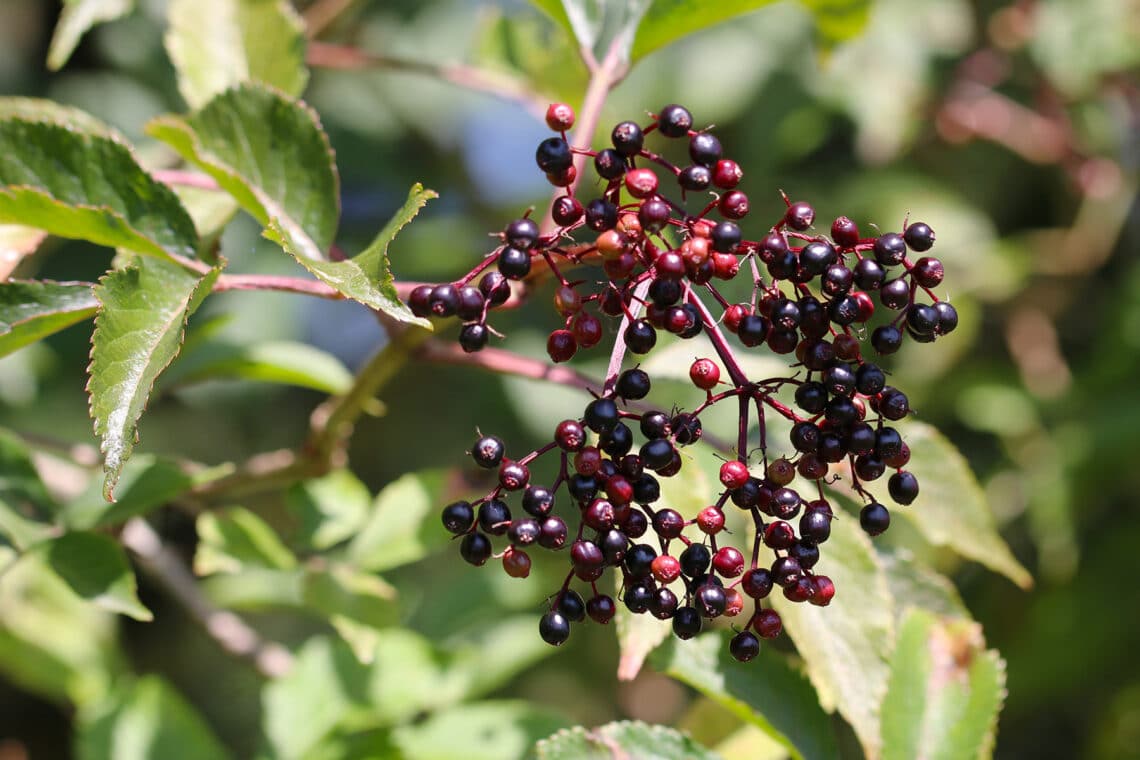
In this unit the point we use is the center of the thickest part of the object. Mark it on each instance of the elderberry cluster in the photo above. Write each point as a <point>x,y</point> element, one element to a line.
<point>663,267</point>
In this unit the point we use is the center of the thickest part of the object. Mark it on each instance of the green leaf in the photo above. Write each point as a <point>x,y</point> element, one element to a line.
<point>303,707</point>
<point>78,185</point>
<point>629,738</point>
<point>356,604</point>
<point>53,112</point>
<point>767,693</point>
<point>77,17</point>
<point>268,151</point>
<point>944,693</point>
<point>235,538</point>
<point>257,589</point>
<point>217,44</point>
<point>32,310</point>
<point>145,720</point>
<point>52,642</point>
<point>489,730</point>
<point>138,332</point>
<point>637,636</point>
<point>26,508</point>
<point>146,483</point>
<point>951,508</point>
<point>365,277</point>
<point>329,509</point>
<point>846,645</point>
<point>282,362</point>
<point>96,569</point>
<point>916,585</point>
<point>401,527</point>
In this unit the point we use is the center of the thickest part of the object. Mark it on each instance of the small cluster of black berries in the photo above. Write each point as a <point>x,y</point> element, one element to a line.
<point>812,296</point>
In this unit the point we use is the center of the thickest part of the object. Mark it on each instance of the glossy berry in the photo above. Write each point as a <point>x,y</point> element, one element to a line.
<point>513,476</point>
<point>494,517</point>
<point>844,232</point>
<point>704,373</point>
<point>516,563</point>
<point>561,346</point>
<point>704,149</point>
<point>919,237</point>
<point>640,336</point>
<point>633,384</point>
<point>514,263</point>
<point>928,272</point>
<point>521,233</point>
<point>768,623</point>
<point>889,249</point>
<point>458,517</point>
<point>874,518</point>
<point>733,473</point>
<point>475,549</point>
<point>728,561</point>
<point>601,215</point>
<point>744,646</point>
<point>627,138</point>
<point>554,628</point>
<point>488,451</point>
<point>903,487</point>
<point>473,337</point>
<point>695,178</point>
<point>674,121</point>
<point>601,415</point>
<point>566,210</point>
<point>799,216</point>
<point>686,623</point>
<point>727,174</point>
<point>601,608</point>
<point>553,155</point>
<point>641,183</point>
<point>559,117</point>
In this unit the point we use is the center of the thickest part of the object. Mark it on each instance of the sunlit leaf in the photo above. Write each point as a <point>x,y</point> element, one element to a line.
<point>329,509</point>
<point>79,185</point>
<point>146,719</point>
<point>217,44</point>
<point>766,692</point>
<point>944,693</point>
<point>77,17</point>
<point>32,310</point>
<point>846,645</point>
<point>269,152</point>
<point>403,525</point>
<point>234,538</point>
<point>365,277</point>
<point>487,730</point>
<point>138,332</point>
<point>95,567</point>
<point>629,738</point>
<point>951,508</point>
<point>280,362</point>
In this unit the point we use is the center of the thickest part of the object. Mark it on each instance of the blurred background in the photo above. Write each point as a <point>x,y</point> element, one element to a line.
<point>1013,129</point>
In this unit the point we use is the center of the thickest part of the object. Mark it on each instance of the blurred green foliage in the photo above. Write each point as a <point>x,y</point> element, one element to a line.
<point>1012,129</point>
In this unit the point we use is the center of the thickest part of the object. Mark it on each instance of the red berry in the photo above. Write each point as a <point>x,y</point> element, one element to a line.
<point>824,590</point>
<point>704,373</point>
<point>561,345</point>
<point>710,520</point>
<point>516,562</point>
<point>665,568</point>
<point>559,117</point>
<point>587,330</point>
<point>799,216</point>
<point>727,174</point>
<point>733,474</point>
<point>733,205</point>
<point>641,183</point>
<point>733,602</point>
<point>728,561</point>
<point>767,623</point>
<point>588,461</point>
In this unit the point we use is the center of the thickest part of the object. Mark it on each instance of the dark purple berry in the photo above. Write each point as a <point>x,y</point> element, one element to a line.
<point>601,215</point>
<point>744,646</point>
<point>566,210</point>
<point>640,336</point>
<point>627,138</point>
<point>868,274</point>
<point>521,233</point>
<point>874,518</point>
<point>799,216</point>
<point>601,608</point>
<point>495,288</point>
<point>919,236</point>
<point>494,517</point>
<point>887,339</point>
<point>903,487</point>
<point>552,533</point>
<point>633,384</point>
<point>488,451</point>
<point>686,623</point>
<point>889,249</point>
<point>674,121</point>
<point>473,337</point>
<point>458,517</point>
<point>947,318</point>
<point>695,178</point>
<point>554,628</point>
<point>475,549</point>
<point>553,155</point>
<point>514,263</point>
<point>704,149</point>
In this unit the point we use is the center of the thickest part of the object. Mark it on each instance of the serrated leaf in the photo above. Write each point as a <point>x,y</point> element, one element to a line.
<point>32,310</point>
<point>628,738</point>
<point>281,362</point>
<point>767,692</point>
<point>235,538</point>
<point>138,332</point>
<point>78,185</point>
<point>846,645</point>
<point>95,567</point>
<point>328,509</point>
<point>365,277</point>
<point>401,527</point>
<point>77,17</point>
<point>26,508</point>
<point>951,508</point>
<point>216,44</point>
<point>944,693</point>
<point>487,730</point>
<point>146,483</point>
<point>268,151</point>
<point>146,719</point>
<point>53,112</point>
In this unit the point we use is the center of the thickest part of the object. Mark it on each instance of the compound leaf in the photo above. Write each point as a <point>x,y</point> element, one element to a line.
<point>269,152</point>
<point>951,508</point>
<point>621,738</point>
<point>402,527</point>
<point>76,19</point>
<point>96,568</point>
<point>846,645</point>
<point>33,310</point>
<point>216,44</point>
<point>365,277</point>
<point>767,693</point>
<point>944,693</point>
<point>76,184</point>
<point>138,332</point>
